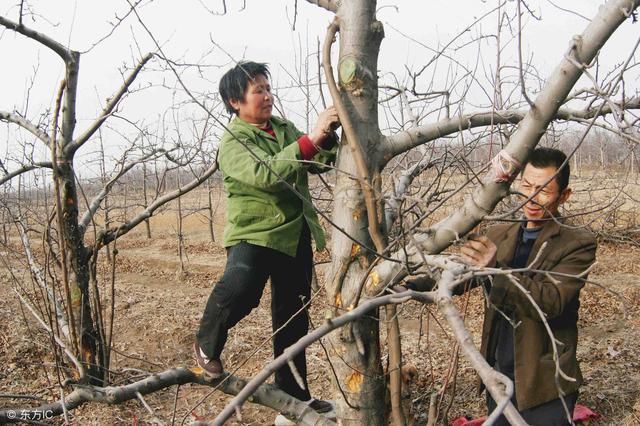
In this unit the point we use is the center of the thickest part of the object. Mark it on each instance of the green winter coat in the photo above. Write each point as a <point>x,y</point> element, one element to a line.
<point>261,209</point>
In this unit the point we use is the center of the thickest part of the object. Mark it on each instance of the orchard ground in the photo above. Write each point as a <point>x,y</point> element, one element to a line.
<point>158,307</point>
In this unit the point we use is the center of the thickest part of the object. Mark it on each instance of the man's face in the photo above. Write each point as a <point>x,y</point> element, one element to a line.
<point>546,202</point>
<point>257,104</point>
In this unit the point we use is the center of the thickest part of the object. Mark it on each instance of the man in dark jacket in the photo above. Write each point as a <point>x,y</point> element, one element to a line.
<point>514,337</point>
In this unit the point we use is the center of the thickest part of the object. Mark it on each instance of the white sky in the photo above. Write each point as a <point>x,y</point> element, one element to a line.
<point>262,32</point>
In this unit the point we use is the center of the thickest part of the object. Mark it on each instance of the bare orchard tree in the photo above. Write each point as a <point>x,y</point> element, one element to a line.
<point>379,236</point>
<point>81,326</point>
<point>360,270</point>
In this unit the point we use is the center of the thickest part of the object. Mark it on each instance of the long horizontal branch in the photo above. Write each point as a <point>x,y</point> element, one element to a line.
<point>112,234</point>
<point>60,49</point>
<point>14,118</point>
<point>267,395</point>
<point>24,169</point>
<point>109,107</point>
<point>416,136</point>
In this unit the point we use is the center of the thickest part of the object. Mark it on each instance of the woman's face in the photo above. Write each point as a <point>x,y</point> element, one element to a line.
<point>257,104</point>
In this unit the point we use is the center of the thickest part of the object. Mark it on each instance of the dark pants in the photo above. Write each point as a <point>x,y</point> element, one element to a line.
<point>548,414</point>
<point>239,291</point>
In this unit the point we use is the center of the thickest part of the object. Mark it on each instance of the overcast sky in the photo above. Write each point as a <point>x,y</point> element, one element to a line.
<point>190,33</point>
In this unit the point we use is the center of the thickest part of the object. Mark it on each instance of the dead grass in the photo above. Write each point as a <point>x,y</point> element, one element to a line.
<point>158,309</point>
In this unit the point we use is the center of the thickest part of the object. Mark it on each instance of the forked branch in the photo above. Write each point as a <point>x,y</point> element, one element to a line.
<point>109,107</point>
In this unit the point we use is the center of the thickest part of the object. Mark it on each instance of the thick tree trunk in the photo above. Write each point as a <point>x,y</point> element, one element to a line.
<point>77,257</point>
<point>78,269</point>
<point>355,350</point>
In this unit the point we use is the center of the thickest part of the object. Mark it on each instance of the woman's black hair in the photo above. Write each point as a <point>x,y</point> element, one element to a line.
<point>234,82</point>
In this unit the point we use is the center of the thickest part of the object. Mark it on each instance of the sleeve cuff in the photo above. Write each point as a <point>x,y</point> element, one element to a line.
<point>307,148</point>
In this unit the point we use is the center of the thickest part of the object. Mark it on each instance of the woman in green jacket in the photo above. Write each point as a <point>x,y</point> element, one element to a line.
<point>270,222</point>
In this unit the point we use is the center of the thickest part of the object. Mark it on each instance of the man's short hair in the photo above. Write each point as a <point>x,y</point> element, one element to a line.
<point>234,82</point>
<point>551,157</point>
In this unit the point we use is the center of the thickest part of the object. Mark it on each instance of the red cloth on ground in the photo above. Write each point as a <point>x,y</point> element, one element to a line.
<point>580,414</point>
<point>463,421</point>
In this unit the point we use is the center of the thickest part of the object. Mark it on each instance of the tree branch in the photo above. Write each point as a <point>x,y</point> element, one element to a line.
<point>39,276</point>
<point>109,107</point>
<point>10,117</point>
<point>307,340</point>
<point>267,395</point>
<point>498,385</point>
<point>97,200</point>
<point>60,49</point>
<point>112,234</point>
<point>44,325</point>
<point>26,168</point>
<point>415,136</point>
<point>364,177</point>
<point>330,5</point>
<point>392,209</point>
<point>507,163</point>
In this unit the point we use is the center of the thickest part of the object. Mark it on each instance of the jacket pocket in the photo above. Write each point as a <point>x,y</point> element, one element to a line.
<point>257,212</point>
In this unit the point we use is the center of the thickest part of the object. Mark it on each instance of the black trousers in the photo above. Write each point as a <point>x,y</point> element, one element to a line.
<point>548,414</point>
<point>239,291</point>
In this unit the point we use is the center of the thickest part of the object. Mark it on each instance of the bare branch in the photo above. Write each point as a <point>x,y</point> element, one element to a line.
<point>97,200</point>
<point>109,107</point>
<point>500,387</point>
<point>60,49</point>
<point>26,168</point>
<point>330,5</point>
<point>267,395</point>
<point>307,340</point>
<point>112,234</point>
<point>39,277</point>
<point>523,87</point>
<point>354,142</point>
<point>25,124</point>
<point>44,325</point>
<point>415,136</point>
<point>392,209</point>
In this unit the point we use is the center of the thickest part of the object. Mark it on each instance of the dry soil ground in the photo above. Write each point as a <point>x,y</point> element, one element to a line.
<point>158,308</point>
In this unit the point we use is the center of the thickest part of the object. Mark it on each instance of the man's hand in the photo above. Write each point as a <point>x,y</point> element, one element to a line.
<point>479,251</point>
<point>327,122</point>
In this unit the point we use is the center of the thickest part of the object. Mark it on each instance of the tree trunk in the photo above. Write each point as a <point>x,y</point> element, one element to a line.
<point>355,350</point>
<point>78,268</point>
<point>147,222</point>
<point>179,226</point>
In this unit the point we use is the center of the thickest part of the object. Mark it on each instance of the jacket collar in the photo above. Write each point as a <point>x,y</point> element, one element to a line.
<point>550,230</point>
<point>506,249</point>
<point>278,124</point>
